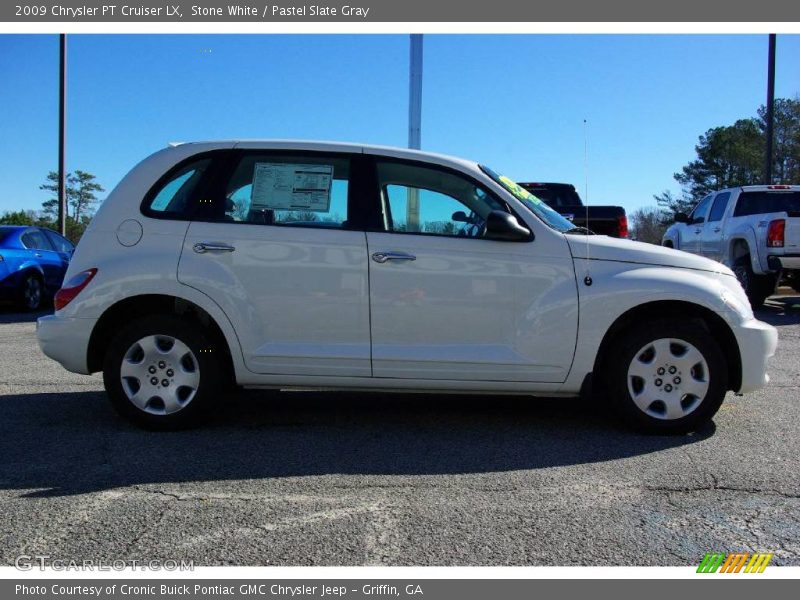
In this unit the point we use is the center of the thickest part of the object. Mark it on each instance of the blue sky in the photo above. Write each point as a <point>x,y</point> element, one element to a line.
<point>515,102</point>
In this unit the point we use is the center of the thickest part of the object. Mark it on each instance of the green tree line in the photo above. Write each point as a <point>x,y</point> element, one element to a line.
<point>727,156</point>
<point>81,192</point>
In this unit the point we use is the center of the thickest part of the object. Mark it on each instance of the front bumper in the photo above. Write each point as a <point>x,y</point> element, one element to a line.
<point>757,343</point>
<point>66,340</point>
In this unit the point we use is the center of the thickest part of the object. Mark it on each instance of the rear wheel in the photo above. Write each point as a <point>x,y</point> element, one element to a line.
<point>668,377</point>
<point>31,293</point>
<point>162,373</point>
<point>757,287</point>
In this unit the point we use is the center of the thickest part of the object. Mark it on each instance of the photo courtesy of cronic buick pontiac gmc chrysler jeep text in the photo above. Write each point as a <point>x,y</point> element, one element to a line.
<point>318,265</point>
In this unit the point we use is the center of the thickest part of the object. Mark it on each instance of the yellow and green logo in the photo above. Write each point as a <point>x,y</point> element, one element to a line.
<point>734,562</point>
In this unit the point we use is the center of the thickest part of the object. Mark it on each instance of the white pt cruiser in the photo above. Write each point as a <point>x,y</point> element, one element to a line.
<point>338,266</point>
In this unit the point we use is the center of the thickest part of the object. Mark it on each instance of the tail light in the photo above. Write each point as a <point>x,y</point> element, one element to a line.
<point>72,288</point>
<point>622,226</point>
<point>775,233</point>
<point>779,187</point>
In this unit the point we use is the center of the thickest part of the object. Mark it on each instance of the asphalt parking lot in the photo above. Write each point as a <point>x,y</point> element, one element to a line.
<point>376,479</point>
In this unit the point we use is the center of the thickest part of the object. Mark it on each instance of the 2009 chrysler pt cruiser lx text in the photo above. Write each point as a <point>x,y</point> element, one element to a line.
<point>317,265</point>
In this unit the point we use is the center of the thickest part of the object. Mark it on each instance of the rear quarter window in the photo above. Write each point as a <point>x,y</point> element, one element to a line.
<point>174,196</point>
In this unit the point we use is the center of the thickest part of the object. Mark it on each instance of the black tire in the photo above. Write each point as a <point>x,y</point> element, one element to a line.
<point>30,295</point>
<point>795,283</point>
<point>757,287</point>
<point>627,348</point>
<point>210,373</point>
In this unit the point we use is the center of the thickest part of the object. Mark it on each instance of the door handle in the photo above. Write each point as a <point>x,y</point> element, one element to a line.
<point>38,255</point>
<point>697,231</point>
<point>382,257</point>
<point>203,247</point>
<point>717,229</point>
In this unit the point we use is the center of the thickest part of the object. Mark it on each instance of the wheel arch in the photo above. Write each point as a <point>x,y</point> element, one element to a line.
<point>716,325</point>
<point>133,307</point>
<point>743,244</point>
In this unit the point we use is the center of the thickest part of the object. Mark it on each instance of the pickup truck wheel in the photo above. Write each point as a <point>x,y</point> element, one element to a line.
<point>669,377</point>
<point>757,287</point>
<point>160,372</point>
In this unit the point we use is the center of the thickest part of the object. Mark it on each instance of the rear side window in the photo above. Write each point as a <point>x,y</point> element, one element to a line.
<point>290,190</point>
<point>719,206</point>
<point>759,203</point>
<point>174,197</point>
<point>35,240</point>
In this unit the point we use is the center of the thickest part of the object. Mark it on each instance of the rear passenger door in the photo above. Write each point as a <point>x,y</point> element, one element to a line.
<point>282,253</point>
<point>43,253</point>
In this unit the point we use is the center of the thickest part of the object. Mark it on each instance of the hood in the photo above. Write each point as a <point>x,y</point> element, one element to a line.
<point>602,247</point>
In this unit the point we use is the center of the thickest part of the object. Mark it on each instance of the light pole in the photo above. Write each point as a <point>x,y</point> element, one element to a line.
<point>414,122</point>
<point>770,109</point>
<point>62,123</point>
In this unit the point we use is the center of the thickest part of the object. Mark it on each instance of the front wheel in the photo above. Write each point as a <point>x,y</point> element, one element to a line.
<point>668,377</point>
<point>161,372</point>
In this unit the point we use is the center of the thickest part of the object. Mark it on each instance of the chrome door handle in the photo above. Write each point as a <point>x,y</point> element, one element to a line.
<point>382,257</point>
<point>203,247</point>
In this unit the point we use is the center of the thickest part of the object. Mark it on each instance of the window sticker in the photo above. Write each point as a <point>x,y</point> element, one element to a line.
<point>281,186</point>
<point>520,192</point>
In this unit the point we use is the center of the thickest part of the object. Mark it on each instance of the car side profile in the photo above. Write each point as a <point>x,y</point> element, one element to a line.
<point>279,264</point>
<point>33,261</point>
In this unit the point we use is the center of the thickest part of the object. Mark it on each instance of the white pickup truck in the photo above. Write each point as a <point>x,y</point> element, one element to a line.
<point>755,230</point>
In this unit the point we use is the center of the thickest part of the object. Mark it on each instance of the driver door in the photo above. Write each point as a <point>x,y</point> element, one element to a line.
<point>692,232</point>
<point>448,304</point>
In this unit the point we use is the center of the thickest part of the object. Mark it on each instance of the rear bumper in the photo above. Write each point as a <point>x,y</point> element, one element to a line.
<point>757,343</point>
<point>784,261</point>
<point>66,340</point>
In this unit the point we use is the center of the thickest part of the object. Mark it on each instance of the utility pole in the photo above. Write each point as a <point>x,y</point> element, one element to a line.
<point>770,109</point>
<point>415,93</point>
<point>62,123</point>
<point>414,121</point>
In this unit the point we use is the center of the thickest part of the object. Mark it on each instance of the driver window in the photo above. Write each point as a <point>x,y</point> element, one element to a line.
<point>698,215</point>
<point>426,200</point>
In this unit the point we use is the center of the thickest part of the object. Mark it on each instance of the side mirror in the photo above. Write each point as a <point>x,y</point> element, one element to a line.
<point>681,217</point>
<point>459,217</point>
<point>504,227</point>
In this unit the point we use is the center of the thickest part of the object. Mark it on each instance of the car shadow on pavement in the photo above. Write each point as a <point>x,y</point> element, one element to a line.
<point>70,443</point>
<point>11,315</point>
<point>780,310</point>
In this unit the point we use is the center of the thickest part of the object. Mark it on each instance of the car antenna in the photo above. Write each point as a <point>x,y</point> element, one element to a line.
<point>587,278</point>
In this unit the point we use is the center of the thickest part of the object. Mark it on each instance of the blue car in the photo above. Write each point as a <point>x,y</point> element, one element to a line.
<point>33,261</point>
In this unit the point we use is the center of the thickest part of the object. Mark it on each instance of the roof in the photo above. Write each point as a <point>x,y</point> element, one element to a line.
<point>329,146</point>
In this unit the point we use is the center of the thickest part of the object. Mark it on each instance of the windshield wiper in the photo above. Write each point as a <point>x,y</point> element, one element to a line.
<point>582,230</point>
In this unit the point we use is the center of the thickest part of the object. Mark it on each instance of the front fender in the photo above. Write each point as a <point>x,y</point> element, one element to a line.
<point>619,287</point>
<point>672,235</point>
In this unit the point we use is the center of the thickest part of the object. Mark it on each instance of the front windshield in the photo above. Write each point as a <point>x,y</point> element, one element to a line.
<point>531,202</point>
